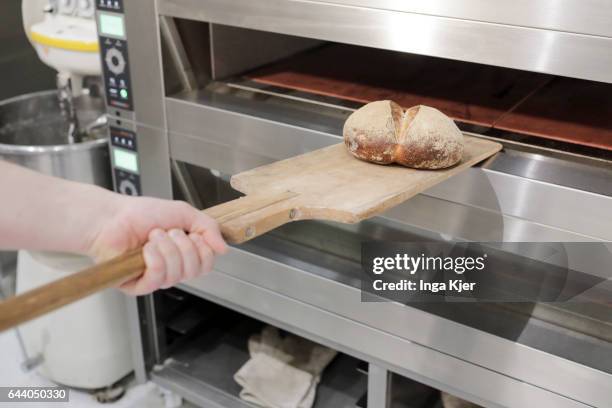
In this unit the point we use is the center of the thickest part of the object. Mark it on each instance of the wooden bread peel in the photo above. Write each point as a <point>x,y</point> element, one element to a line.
<point>325,184</point>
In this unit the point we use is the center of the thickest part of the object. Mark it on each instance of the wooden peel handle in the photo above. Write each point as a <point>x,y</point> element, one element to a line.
<point>240,220</point>
<point>36,302</point>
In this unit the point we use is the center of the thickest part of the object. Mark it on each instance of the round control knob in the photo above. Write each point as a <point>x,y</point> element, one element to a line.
<point>67,7</point>
<point>128,188</point>
<point>115,61</point>
<point>86,8</point>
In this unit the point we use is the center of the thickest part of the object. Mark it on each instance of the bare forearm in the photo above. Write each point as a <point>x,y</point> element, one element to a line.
<point>47,213</point>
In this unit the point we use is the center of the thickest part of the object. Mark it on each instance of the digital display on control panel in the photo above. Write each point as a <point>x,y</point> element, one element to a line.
<point>111,24</point>
<point>125,160</point>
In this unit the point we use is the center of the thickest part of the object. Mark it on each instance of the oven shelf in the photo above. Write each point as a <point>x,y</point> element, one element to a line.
<point>568,110</point>
<point>203,371</point>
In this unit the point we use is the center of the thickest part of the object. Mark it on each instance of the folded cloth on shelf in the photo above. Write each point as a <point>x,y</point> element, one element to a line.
<point>283,371</point>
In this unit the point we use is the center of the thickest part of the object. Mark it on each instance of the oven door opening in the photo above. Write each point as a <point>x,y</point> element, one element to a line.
<point>522,107</point>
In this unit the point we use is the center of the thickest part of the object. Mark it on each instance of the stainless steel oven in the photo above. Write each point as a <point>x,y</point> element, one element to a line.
<point>206,88</point>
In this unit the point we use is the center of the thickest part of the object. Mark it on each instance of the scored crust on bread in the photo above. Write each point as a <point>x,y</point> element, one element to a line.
<point>420,137</point>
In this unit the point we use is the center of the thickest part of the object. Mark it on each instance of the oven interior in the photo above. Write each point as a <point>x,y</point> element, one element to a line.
<point>527,108</point>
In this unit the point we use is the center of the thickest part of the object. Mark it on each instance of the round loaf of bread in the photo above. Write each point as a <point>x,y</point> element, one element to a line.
<point>420,137</point>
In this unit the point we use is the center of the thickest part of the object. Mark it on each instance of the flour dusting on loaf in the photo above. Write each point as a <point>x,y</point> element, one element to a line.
<point>372,134</point>
<point>420,137</point>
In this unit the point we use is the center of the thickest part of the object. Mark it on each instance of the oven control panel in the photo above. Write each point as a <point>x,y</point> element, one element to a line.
<point>114,55</point>
<point>116,73</point>
<point>124,153</point>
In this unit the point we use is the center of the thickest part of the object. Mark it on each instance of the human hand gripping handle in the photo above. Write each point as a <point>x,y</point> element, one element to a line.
<point>239,220</point>
<point>180,242</point>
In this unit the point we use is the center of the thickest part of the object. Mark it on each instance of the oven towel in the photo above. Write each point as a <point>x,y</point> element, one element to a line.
<point>283,371</point>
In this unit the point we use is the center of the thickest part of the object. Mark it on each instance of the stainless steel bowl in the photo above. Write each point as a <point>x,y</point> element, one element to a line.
<point>33,133</point>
